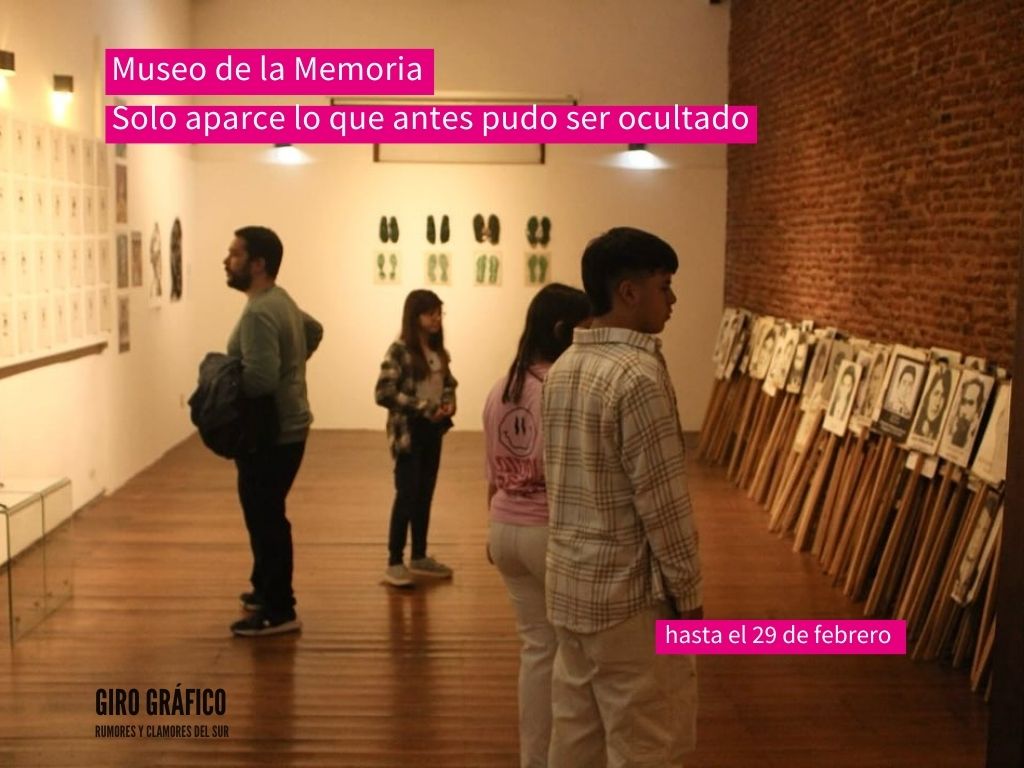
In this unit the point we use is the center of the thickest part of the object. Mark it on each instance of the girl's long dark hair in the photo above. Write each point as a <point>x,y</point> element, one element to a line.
<point>416,303</point>
<point>553,313</point>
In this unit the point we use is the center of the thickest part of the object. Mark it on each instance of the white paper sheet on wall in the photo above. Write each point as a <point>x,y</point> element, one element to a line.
<point>7,343</point>
<point>6,222</point>
<point>74,154</point>
<point>44,272</point>
<point>6,269</point>
<point>88,211</point>
<point>103,211</point>
<point>58,250</point>
<point>102,169</point>
<point>58,150</point>
<point>26,326</point>
<point>75,262</point>
<point>44,338</point>
<point>41,207</point>
<point>89,262</point>
<point>76,315</point>
<point>58,210</point>
<point>60,318</point>
<point>106,309</point>
<point>89,162</point>
<point>5,141</point>
<point>92,321</point>
<point>22,201</point>
<point>103,247</point>
<point>24,284</point>
<point>39,136</point>
<point>20,146</point>
<point>75,213</point>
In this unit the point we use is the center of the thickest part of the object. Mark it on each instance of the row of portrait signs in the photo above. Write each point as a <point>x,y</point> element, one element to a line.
<point>937,402</point>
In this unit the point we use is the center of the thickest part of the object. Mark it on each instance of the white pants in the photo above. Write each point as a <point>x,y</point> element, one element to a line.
<point>519,551</point>
<point>616,703</point>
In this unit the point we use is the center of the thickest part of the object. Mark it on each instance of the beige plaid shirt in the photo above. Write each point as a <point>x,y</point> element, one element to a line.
<point>621,535</point>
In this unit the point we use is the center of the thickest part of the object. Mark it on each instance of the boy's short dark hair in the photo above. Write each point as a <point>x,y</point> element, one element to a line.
<point>263,243</point>
<point>620,253</point>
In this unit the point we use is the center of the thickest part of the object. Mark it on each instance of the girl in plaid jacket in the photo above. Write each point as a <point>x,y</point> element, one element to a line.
<point>417,387</point>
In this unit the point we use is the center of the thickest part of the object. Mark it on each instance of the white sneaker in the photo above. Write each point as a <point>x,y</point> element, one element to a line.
<point>428,566</point>
<point>398,576</point>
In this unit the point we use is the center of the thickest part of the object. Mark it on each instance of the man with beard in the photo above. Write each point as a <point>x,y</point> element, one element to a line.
<point>967,412</point>
<point>273,338</point>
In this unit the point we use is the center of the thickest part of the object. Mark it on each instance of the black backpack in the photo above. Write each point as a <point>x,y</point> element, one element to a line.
<point>230,424</point>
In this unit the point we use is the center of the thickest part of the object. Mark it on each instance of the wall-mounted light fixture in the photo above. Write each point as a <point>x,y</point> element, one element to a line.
<point>60,99</point>
<point>638,157</point>
<point>64,84</point>
<point>287,154</point>
<point>7,63</point>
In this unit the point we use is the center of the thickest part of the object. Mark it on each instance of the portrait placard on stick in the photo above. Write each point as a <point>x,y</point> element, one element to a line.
<point>990,461</point>
<point>843,393</point>
<point>906,379</point>
<point>967,408</point>
<point>930,417</point>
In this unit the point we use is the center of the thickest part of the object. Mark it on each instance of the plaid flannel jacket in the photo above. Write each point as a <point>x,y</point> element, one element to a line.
<point>621,535</point>
<point>396,391</point>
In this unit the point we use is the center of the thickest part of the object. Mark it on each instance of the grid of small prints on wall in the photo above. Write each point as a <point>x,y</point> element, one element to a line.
<point>56,240</point>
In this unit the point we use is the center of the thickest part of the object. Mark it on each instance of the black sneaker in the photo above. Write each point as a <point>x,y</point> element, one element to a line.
<point>260,623</point>
<point>252,601</point>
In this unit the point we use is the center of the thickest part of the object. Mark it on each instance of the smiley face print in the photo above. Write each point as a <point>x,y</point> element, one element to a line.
<point>518,432</point>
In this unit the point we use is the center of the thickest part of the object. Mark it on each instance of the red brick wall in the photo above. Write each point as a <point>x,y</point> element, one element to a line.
<point>886,191</point>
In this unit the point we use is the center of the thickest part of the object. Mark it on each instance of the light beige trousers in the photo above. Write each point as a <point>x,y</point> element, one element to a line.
<point>616,703</point>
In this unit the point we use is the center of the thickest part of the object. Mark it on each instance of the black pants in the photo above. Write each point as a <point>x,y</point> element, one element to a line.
<point>415,478</point>
<point>264,479</point>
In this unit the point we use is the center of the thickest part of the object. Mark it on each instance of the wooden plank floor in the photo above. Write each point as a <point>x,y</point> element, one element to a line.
<point>426,678</point>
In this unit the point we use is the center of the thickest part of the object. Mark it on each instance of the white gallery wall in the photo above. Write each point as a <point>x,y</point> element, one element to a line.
<point>102,418</point>
<point>328,212</point>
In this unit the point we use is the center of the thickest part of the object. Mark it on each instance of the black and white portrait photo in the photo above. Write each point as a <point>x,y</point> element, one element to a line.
<point>779,370</point>
<point>931,411</point>
<point>798,369</point>
<point>906,376</point>
<point>990,462</point>
<point>966,410</point>
<point>844,391</point>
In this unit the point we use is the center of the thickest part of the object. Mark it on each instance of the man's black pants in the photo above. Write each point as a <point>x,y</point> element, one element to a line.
<point>264,479</point>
